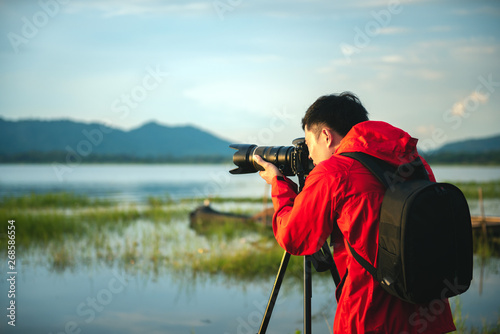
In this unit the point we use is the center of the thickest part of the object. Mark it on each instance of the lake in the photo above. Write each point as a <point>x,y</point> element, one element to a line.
<point>135,182</point>
<point>95,296</point>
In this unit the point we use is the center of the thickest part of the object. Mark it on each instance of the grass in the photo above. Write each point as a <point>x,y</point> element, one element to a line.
<point>490,189</point>
<point>57,221</point>
<point>52,200</point>
<point>461,322</point>
<point>38,225</point>
<point>486,247</point>
<point>229,227</point>
<point>261,260</point>
<point>237,199</point>
<point>159,200</point>
<point>55,217</point>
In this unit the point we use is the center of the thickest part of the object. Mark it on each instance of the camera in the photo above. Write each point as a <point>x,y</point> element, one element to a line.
<point>290,160</point>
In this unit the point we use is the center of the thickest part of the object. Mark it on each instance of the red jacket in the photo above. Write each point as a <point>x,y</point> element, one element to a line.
<point>343,199</point>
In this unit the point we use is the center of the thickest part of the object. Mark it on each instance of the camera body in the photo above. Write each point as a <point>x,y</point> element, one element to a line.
<point>290,160</point>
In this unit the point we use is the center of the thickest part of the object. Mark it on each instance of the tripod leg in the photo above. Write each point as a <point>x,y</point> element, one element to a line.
<point>333,267</point>
<point>274,293</point>
<point>307,294</point>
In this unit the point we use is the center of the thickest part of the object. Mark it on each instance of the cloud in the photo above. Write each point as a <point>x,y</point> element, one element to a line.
<point>280,9</point>
<point>484,10</point>
<point>469,102</point>
<point>476,50</point>
<point>381,3</point>
<point>393,59</point>
<point>443,28</point>
<point>427,74</point>
<point>142,7</point>
<point>425,130</point>
<point>392,30</point>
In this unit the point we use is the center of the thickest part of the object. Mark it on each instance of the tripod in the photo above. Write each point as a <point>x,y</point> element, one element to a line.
<point>322,260</point>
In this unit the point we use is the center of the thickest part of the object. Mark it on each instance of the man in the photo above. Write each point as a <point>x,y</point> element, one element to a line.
<point>342,198</point>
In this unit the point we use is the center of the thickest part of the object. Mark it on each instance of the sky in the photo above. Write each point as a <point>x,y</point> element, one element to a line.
<point>247,70</point>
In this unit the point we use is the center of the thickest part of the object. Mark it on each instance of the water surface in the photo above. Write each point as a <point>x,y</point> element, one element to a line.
<point>96,296</point>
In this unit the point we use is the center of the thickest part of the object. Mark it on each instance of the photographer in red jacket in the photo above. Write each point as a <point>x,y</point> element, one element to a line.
<point>342,199</point>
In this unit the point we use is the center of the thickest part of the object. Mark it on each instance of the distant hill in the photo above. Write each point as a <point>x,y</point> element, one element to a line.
<point>44,141</point>
<point>472,145</point>
<point>471,151</point>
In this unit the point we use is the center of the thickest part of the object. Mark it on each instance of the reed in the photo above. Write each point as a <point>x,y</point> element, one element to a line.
<point>159,200</point>
<point>61,258</point>
<point>41,226</point>
<point>491,189</point>
<point>52,200</point>
<point>164,213</point>
<point>218,199</point>
<point>230,228</point>
<point>486,246</point>
<point>461,322</point>
<point>260,261</point>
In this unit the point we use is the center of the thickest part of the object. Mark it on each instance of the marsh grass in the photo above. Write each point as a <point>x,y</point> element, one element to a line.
<point>218,199</point>
<point>461,322</point>
<point>230,228</point>
<point>248,264</point>
<point>156,201</point>
<point>75,230</point>
<point>61,258</point>
<point>164,213</point>
<point>491,189</point>
<point>486,246</point>
<point>53,200</point>
<point>67,231</point>
<point>63,218</point>
<point>57,219</point>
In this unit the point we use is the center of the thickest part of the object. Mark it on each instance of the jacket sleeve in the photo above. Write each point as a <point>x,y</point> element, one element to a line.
<point>302,222</point>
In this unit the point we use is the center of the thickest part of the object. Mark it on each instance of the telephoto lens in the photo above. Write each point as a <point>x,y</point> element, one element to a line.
<point>290,160</point>
<point>280,156</point>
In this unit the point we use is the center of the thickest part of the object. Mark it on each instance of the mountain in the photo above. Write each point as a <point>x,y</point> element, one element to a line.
<point>149,141</point>
<point>472,145</point>
<point>483,151</point>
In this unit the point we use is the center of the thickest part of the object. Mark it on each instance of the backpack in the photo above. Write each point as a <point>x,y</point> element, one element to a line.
<point>425,234</point>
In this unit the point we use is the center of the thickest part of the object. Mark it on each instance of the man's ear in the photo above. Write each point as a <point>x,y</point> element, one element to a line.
<point>331,136</point>
<point>327,135</point>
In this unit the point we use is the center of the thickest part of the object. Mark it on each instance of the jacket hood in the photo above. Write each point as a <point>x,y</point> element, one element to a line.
<point>381,140</point>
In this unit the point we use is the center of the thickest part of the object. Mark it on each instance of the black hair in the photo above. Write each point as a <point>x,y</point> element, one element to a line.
<point>339,112</point>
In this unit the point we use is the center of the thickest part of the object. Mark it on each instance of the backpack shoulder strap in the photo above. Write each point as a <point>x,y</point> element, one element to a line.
<point>365,264</point>
<point>386,173</point>
<point>381,169</point>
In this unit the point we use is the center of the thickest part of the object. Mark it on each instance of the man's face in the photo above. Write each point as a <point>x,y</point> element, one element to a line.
<point>315,145</point>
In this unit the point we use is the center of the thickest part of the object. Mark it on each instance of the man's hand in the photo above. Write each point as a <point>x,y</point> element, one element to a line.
<point>270,171</point>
